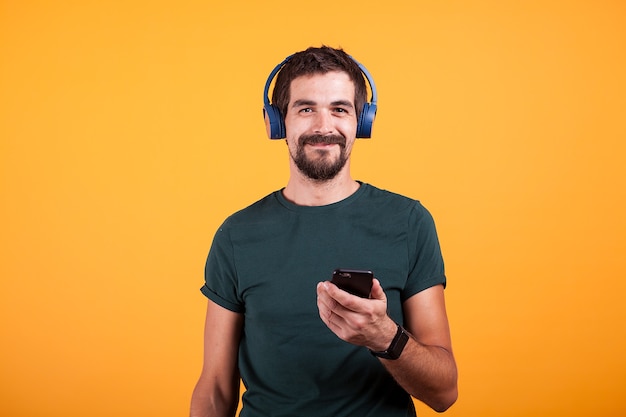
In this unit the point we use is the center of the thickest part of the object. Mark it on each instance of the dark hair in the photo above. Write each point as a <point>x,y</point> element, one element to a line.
<point>318,61</point>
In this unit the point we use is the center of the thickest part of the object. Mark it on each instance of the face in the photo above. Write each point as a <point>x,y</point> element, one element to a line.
<point>321,124</point>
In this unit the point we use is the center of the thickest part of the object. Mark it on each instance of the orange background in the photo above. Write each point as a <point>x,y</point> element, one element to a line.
<point>130,129</point>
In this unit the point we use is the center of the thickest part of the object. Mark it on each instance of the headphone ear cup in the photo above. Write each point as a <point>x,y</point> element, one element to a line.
<point>366,121</point>
<point>274,123</point>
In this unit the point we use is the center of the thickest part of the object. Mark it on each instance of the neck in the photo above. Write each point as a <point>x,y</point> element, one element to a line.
<point>305,191</point>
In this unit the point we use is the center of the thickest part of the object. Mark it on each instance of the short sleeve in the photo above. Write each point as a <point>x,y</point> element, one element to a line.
<point>220,275</point>
<point>426,267</point>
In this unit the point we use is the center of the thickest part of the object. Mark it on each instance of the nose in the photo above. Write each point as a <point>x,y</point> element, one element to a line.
<point>323,123</point>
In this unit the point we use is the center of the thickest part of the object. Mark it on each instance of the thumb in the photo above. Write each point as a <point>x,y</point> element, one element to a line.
<point>377,291</point>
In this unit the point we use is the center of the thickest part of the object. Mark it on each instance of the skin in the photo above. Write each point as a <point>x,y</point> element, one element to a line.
<point>217,391</point>
<point>323,104</point>
<point>426,368</point>
<point>320,104</point>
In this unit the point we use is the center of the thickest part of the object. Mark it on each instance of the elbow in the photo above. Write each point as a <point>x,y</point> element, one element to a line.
<point>447,394</point>
<point>445,401</point>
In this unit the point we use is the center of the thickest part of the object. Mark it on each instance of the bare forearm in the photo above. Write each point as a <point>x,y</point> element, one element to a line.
<point>208,401</point>
<point>217,391</point>
<point>428,373</point>
<point>426,370</point>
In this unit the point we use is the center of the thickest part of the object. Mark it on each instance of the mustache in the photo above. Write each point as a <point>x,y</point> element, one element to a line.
<point>325,139</point>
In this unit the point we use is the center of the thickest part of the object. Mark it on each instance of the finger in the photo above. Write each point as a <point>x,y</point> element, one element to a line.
<point>323,296</point>
<point>329,317</point>
<point>333,297</point>
<point>377,291</point>
<point>325,303</point>
<point>340,307</point>
<point>349,302</point>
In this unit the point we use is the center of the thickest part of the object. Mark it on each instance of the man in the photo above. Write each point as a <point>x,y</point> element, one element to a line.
<point>302,345</point>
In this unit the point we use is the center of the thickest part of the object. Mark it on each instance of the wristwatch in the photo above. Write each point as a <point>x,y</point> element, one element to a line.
<point>395,348</point>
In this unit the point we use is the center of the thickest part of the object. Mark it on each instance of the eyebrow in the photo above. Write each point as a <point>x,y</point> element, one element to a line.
<point>299,103</point>
<point>344,103</point>
<point>304,102</point>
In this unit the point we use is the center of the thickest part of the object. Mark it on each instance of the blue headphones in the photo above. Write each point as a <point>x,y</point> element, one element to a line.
<point>277,124</point>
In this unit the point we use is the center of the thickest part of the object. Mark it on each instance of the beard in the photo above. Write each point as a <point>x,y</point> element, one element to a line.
<point>322,167</point>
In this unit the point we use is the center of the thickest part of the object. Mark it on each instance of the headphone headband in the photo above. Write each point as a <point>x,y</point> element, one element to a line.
<point>276,128</point>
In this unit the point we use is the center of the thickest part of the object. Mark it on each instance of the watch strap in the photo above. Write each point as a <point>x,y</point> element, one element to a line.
<point>396,347</point>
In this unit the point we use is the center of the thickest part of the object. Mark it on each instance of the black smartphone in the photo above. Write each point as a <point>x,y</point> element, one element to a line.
<point>354,281</point>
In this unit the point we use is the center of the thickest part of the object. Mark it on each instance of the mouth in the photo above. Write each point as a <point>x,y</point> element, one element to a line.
<point>321,145</point>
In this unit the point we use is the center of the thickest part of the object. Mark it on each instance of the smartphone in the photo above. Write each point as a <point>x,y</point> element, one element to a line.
<point>354,281</point>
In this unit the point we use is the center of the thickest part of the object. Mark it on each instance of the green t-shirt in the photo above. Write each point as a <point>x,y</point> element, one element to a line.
<point>265,263</point>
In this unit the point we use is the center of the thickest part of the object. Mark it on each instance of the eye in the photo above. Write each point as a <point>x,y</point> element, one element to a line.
<point>306,110</point>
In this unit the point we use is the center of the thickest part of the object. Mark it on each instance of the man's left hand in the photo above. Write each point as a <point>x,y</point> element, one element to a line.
<point>356,320</point>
